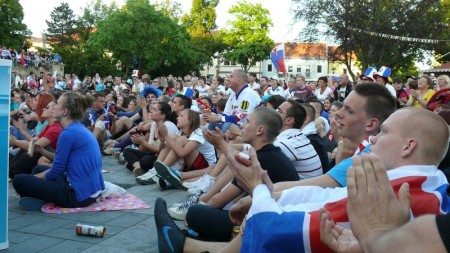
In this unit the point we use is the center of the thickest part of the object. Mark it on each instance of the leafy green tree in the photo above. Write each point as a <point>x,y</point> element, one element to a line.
<point>338,19</point>
<point>14,31</point>
<point>169,8</point>
<point>247,40</point>
<point>93,12</point>
<point>442,50</point>
<point>62,27</point>
<point>201,25</point>
<point>139,31</point>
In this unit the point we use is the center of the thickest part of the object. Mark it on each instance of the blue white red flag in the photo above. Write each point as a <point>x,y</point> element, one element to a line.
<point>277,57</point>
<point>292,224</point>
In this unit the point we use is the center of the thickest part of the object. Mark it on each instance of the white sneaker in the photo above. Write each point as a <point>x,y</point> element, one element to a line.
<point>178,212</point>
<point>147,178</point>
<point>202,185</point>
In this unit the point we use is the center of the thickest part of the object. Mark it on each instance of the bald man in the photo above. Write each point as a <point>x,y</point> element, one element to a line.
<point>344,88</point>
<point>239,105</point>
<point>370,192</point>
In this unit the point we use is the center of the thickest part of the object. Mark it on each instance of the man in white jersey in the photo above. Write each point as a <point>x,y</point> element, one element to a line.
<point>239,105</point>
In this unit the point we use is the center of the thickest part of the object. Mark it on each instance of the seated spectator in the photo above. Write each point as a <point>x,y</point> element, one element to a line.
<point>419,98</point>
<point>141,160</point>
<point>263,125</point>
<point>186,151</point>
<point>100,121</point>
<point>75,178</point>
<point>23,162</point>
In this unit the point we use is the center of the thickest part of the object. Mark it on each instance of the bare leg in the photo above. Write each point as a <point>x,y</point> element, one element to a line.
<point>121,123</point>
<point>196,246</point>
<point>213,171</point>
<point>218,186</point>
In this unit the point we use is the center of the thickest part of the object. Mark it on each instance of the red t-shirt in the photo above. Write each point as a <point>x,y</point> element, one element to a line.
<point>51,132</point>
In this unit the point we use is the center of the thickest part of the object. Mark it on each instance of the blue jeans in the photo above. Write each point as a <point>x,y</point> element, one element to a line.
<point>57,191</point>
<point>223,126</point>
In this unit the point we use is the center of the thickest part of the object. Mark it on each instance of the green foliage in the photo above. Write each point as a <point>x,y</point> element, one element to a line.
<point>201,25</point>
<point>14,31</point>
<point>442,50</point>
<point>139,30</point>
<point>170,9</point>
<point>247,40</point>
<point>408,18</point>
<point>62,27</point>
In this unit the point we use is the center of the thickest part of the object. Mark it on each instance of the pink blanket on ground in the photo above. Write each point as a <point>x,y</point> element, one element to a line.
<point>125,202</point>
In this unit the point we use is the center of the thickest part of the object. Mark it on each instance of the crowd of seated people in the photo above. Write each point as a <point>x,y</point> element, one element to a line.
<point>205,137</point>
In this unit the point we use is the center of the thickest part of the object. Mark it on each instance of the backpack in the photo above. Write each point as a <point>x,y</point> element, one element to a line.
<point>440,97</point>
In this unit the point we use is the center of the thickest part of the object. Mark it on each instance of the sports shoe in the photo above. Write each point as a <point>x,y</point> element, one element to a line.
<point>32,204</point>
<point>163,184</point>
<point>138,172</point>
<point>202,185</point>
<point>147,178</point>
<point>179,212</point>
<point>168,174</point>
<point>170,237</point>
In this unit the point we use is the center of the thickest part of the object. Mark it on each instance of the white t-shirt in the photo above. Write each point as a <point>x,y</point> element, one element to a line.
<point>391,89</point>
<point>297,147</point>
<point>277,91</point>
<point>202,91</point>
<point>324,95</point>
<point>255,86</point>
<point>205,148</point>
<point>242,104</point>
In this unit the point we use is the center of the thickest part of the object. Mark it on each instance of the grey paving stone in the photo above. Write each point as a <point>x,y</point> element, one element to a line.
<point>44,226</point>
<point>128,219</point>
<point>68,247</point>
<point>140,237</point>
<point>23,221</point>
<point>34,244</point>
<point>110,249</point>
<point>18,237</point>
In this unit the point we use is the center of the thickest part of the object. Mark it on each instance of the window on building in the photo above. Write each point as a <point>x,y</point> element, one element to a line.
<point>299,69</point>
<point>269,67</point>
<point>226,62</point>
<point>319,68</point>
<point>308,71</point>
<point>290,68</point>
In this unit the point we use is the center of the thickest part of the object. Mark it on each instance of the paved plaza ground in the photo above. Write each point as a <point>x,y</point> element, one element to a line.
<point>126,231</point>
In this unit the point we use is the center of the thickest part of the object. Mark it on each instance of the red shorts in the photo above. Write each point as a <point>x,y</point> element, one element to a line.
<point>198,164</point>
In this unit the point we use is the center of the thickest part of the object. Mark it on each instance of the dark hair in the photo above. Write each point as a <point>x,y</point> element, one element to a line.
<point>180,85</point>
<point>77,105</point>
<point>323,78</point>
<point>445,114</point>
<point>221,104</point>
<point>202,78</point>
<point>184,101</point>
<point>276,101</point>
<point>297,112</point>
<point>413,85</point>
<point>271,120</point>
<point>166,110</point>
<point>380,103</point>
<point>170,84</point>
<point>209,101</point>
<point>310,111</point>
<point>252,74</point>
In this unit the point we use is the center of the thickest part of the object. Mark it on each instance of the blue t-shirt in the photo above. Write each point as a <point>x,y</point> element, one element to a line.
<point>78,156</point>
<point>339,171</point>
